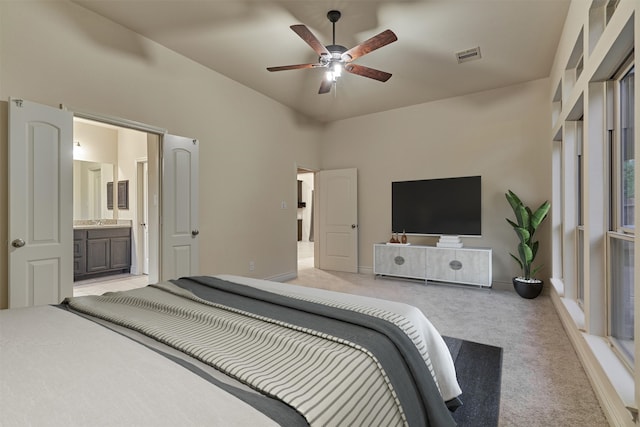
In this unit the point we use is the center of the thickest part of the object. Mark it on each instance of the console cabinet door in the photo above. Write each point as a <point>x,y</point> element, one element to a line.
<point>459,265</point>
<point>405,261</point>
<point>438,264</point>
<point>475,267</point>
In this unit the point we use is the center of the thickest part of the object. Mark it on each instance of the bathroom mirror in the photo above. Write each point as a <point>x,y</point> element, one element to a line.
<point>90,190</point>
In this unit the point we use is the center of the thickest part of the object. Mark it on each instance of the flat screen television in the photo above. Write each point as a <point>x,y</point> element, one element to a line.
<point>445,206</point>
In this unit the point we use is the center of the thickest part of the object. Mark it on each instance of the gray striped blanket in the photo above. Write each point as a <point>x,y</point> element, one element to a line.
<point>333,371</point>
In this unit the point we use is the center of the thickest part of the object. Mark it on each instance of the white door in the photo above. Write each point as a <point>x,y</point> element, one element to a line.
<point>40,204</point>
<point>145,218</point>
<point>338,219</point>
<point>179,207</point>
<point>142,216</point>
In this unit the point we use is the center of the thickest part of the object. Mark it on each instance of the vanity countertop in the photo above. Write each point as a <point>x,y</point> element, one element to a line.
<point>105,223</point>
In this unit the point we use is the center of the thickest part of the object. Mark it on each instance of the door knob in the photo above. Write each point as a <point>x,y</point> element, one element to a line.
<point>18,243</point>
<point>353,226</point>
<point>195,233</point>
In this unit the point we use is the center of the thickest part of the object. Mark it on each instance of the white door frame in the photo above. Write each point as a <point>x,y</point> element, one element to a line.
<point>312,204</point>
<point>154,149</point>
<point>142,216</point>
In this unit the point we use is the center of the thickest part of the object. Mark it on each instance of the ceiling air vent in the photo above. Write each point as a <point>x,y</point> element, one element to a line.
<point>468,55</point>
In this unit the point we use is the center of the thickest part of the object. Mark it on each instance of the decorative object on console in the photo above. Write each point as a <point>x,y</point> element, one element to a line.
<point>449,242</point>
<point>404,237</point>
<point>528,221</point>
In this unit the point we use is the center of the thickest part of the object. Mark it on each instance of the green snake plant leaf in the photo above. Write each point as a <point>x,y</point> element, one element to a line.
<point>539,215</point>
<point>513,224</point>
<point>522,215</point>
<point>523,234</point>
<point>534,250</point>
<point>535,270</point>
<point>526,255</point>
<point>513,200</point>
<point>517,260</point>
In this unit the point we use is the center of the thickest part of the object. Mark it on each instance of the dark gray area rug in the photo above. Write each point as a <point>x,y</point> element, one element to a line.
<point>479,370</point>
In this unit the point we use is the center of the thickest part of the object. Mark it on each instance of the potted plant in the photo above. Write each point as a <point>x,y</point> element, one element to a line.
<point>528,221</point>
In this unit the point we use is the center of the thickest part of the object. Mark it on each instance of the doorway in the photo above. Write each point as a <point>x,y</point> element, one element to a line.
<point>305,219</point>
<point>41,203</point>
<point>123,153</point>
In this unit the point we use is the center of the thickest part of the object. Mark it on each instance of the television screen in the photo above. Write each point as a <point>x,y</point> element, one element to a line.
<point>446,206</point>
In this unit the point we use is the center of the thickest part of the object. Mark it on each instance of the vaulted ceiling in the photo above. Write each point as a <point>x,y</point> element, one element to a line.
<point>239,39</point>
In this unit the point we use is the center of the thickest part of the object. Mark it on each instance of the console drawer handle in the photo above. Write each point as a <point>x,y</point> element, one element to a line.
<point>455,265</point>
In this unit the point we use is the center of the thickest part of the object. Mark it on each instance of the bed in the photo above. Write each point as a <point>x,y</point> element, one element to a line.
<point>224,350</point>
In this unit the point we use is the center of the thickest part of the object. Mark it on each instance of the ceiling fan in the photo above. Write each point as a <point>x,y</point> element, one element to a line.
<point>336,58</point>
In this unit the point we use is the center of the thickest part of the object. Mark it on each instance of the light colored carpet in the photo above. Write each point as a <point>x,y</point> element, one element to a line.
<point>543,383</point>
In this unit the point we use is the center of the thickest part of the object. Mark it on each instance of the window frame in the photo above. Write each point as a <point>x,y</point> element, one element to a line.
<point>616,230</point>
<point>616,153</point>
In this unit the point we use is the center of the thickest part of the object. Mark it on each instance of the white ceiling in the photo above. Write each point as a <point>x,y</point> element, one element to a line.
<point>239,39</point>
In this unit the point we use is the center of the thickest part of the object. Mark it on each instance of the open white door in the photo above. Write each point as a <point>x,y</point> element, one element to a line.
<point>338,219</point>
<point>40,204</point>
<point>179,207</point>
<point>142,216</point>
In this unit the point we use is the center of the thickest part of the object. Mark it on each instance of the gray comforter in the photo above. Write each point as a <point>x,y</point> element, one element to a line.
<point>334,366</point>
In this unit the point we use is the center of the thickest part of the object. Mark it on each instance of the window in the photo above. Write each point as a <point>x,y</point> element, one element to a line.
<point>610,8</point>
<point>579,207</point>
<point>627,155</point>
<point>622,224</point>
<point>621,294</point>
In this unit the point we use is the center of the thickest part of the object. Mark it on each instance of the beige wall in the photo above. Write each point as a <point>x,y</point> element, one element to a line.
<point>502,135</point>
<point>74,57</point>
<point>79,59</point>
<point>132,145</point>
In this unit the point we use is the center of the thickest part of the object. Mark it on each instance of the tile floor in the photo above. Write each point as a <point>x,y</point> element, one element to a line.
<point>120,282</point>
<point>123,282</point>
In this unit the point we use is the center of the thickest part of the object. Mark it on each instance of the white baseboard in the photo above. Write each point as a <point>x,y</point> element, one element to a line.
<point>283,277</point>
<point>365,270</point>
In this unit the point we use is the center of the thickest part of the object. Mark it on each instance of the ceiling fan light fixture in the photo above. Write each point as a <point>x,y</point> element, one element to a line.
<point>329,76</point>
<point>337,69</point>
<point>334,57</point>
<point>333,72</point>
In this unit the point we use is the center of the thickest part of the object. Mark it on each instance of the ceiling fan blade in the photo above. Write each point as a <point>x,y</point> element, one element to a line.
<point>372,73</point>
<point>325,86</point>
<point>293,67</point>
<point>375,42</point>
<point>306,35</point>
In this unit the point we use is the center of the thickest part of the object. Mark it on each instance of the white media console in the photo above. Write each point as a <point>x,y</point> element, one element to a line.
<point>471,266</point>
